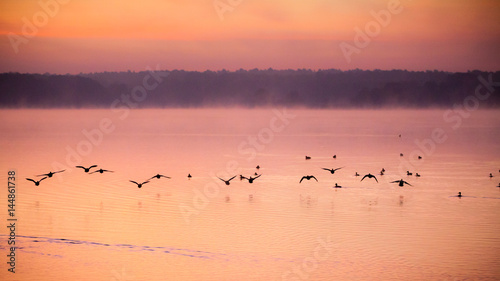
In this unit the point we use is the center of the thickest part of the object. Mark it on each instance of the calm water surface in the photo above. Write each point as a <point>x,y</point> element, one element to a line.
<point>79,226</point>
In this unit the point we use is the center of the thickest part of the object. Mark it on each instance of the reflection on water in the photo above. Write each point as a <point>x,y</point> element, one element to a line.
<point>101,226</point>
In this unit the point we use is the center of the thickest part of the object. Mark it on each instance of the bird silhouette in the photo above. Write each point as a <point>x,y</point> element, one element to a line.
<point>337,186</point>
<point>251,179</point>
<point>101,171</point>
<point>227,182</point>
<point>335,156</point>
<point>50,174</point>
<point>401,154</point>
<point>308,157</point>
<point>158,176</point>
<point>498,184</point>
<point>408,173</point>
<point>139,185</point>
<point>369,176</point>
<point>459,194</point>
<point>86,169</point>
<point>401,182</point>
<point>308,178</point>
<point>332,170</point>
<point>258,167</point>
<point>417,175</point>
<point>491,175</point>
<point>356,174</point>
<point>37,183</point>
<point>189,176</point>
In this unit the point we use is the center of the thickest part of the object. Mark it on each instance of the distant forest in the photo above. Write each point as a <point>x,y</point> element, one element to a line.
<point>249,88</point>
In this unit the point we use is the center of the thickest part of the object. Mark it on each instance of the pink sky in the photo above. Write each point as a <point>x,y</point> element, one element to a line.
<point>73,36</point>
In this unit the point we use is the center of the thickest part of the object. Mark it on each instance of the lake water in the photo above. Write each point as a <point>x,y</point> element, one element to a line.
<point>80,226</point>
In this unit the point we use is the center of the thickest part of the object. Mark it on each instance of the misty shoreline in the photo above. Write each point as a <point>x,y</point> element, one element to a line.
<point>335,89</point>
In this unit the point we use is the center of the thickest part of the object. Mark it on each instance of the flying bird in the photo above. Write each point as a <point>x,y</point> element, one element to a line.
<point>308,178</point>
<point>369,176</point>
<point>401,182</point>
<point>332,170</point>
<point>227,182</point>
<point>251,179</point>
<point>50,174</point>
<point>139,185</point>
<point>158,176</point>
<point>86,169</point>
<point>101,171</point>
<point>37,183</point>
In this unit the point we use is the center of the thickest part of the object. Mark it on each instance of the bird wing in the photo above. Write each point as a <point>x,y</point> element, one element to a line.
<point>31,180</point>
<point>243,177</point>
<point>107,171</point>
<point>407,183</point>
<point>134,182</point>
<point>42,175</point>
<point>221,179</point>
<point>394,181</point>
<point>94,172</point>
<point>231,178</point>
<point>145,182</point>
<point>363,177</point>
<point>338,168</point>
<point>257,176</point>
<point>42,179</point>
<point>304,177</point>
<point>327,169</point>
<point>314,178</point>
<point>164,176</point>
<point>80,167</point>
<point>59,171</point>
<point>92,166</point>
<point>375,178</point>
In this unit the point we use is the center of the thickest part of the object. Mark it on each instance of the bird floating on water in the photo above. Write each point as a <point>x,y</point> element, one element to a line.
<point>369,176</point>
<point>332,170</point>
<point>258,167</point>
<point>417,175</point>
<point>491,175</point>
<point>101,171</point>
<point>251,179</point>
<point>335,156</point>
<point>308,178</point>
<point>158,176</point>
<point>50,174</point>
<point>356,174</point>
<point>139,185</point>
<point>308,157</point>
<point>86,169</point>
<point>408,173</point>
<point>401,182</point>
<point>189,176</point>
<point>37,183</point>
<point>459,194</point>
<point>227,182</point>
<point>337,186</point>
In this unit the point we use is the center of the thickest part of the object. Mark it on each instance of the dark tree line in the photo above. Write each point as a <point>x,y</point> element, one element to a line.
<point>249,88</point>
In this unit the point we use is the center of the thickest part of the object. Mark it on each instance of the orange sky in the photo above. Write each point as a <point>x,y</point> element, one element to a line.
<point>73,36</point>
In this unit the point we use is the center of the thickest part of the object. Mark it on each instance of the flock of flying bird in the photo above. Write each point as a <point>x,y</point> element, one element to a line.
<point>250,179</point>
